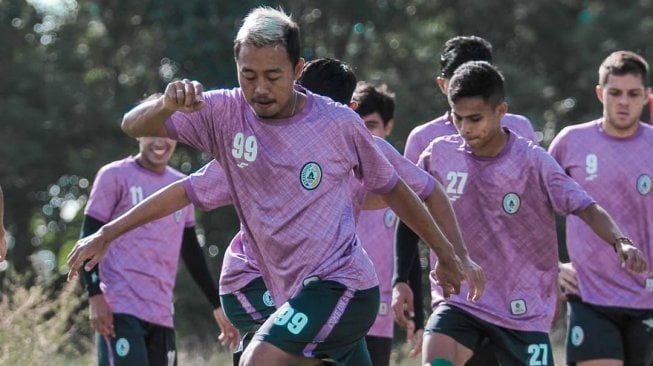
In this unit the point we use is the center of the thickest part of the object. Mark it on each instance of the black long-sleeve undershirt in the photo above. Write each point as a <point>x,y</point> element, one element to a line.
<point>408,268</point>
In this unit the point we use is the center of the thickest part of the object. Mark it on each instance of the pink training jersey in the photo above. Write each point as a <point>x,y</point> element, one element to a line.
<point>138,273</point>
<point>617,173</point>
<point>207,189</point>
<point>421,136</point>
<point>505,207</point>
<point>289,182</point>
<point>376,230</point>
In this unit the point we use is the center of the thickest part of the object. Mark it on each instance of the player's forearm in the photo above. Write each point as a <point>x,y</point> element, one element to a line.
<point>601,223</point>
<point>410,209</point>
<point>442,212</point>
<point>147,119</point>
<point>162,203</point>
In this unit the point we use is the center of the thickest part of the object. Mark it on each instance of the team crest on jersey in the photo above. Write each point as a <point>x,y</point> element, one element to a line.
<point>518,307</point>
<point>311,175</point>
<point>644,184</point>
<point>389,218</point>
<point>267,299</point>
<point>122,347</point>
<point>577,335</point>
<point>511,203</point>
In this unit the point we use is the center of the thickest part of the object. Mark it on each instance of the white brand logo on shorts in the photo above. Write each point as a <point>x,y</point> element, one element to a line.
<point>644,184</point>
<point>649,284</point>
<point>267,299</point>
<point>577,335</point>
<point>310,279</point>
<point>122,347</point>
<point>383,308</point>
<point>518,307</point>
<point>389,218</point>
<point>311,175</point>
<point>511,203</point>
<point>648,323</point>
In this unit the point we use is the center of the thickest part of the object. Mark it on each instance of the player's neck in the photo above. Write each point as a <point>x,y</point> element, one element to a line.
<point>613,131</point>
<point>145,164</point>
<point>494,146</point>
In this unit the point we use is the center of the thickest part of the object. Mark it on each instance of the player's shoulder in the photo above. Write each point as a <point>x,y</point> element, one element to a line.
<point>117,166</point>
<point>174,172</point>
<point>579,129</point>
<point>426,127</point>
<point>329,113</point>
<point>516,117</point>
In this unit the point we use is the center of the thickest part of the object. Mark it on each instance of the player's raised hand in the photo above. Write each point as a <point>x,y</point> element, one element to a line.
<point>93,247</point>
<point>630,256</point>
<point>475,278</point>
<point>184,96</point>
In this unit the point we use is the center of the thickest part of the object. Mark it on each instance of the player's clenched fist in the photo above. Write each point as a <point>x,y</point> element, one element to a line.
<point>184,96</point>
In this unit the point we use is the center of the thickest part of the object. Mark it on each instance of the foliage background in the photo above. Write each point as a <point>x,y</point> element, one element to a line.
<point>70,69</point>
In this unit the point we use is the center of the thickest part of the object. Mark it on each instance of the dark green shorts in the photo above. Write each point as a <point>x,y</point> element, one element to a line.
<point>248,307</point>
<point>325,320</point>
<point>597,332</point>
<point>511,347</point>
<point>137,342</point>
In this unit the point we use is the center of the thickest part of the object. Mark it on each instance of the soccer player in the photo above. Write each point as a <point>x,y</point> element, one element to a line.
<point>611,311</point>
<point>455,52</point>
<point>288,156</point>
<point>130,290</point>
<point>3,242</point>
<point>505,190</point>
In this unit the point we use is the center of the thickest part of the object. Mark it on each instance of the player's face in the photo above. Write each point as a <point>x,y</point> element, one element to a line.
<point>479,124</point>
<point>623,98</point>
<point>266,76</point>
<point>155,152</point>
<point>374,124</point>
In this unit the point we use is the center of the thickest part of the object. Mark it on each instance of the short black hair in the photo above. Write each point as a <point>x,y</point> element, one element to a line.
<point>371,98</point>
<point>329,77</point>
<point>622,63</point>
<point>460,49</point>
<point>477,79</point>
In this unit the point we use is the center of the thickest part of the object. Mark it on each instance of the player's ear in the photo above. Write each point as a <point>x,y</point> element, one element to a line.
<point>502,109</point>
<point>442,84</point>
<point>299,68</point>
<point>353,105</point>
<point>387,128</point>
<point>599,92</point>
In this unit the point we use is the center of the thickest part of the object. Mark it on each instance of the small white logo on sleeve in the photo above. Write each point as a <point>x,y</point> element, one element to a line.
<point>178,216</point>
<point>511,203</point>
<point>122,347</point>
<point>383,308</point>
<point>643,184</point>
<point>518,307</point>
<point>310,175</point>
<point>649,284</point>
<point>389,218</point>
<point>577,335</point>
<point>267,299</point>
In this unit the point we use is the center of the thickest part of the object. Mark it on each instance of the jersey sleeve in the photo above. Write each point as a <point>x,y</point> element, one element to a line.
<point>413,147</point>
<point>565,194</point>
<point>105,195</point>
<point>207,188</point>
<point>375,171</point>
<point>199,129</point>
<point>421,182</point>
